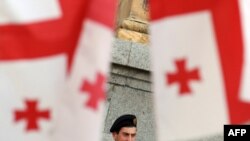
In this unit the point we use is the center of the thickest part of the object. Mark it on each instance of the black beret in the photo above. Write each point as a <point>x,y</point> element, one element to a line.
<point>124,121</point>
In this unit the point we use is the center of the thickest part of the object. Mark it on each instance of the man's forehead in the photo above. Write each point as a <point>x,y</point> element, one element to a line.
<point>130,130</point>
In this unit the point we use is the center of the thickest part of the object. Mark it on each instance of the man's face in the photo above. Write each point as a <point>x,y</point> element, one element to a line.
<point>125,134</point>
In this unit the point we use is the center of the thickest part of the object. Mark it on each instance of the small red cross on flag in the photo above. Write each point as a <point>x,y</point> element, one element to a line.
<point>215,70</point>
<point>31,115</point>
<point>95,91</point>
<point>182,76</point>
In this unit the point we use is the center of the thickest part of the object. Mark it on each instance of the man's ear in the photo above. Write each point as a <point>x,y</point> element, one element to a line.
<point>114,134</point>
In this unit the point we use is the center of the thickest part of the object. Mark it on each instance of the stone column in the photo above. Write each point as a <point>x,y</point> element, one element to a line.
<point>132,21</point>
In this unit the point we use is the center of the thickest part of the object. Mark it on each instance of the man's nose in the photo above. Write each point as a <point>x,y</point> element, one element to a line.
<point>130,138</point>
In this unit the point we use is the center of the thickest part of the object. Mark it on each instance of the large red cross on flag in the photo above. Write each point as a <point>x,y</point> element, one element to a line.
<point>47,49</point>
<point>213,37</point>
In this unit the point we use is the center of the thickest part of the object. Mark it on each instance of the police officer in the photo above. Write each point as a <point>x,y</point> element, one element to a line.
<point>124,128</point>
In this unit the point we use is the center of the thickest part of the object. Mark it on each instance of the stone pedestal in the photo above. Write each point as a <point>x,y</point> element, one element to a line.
<point>129,89</point>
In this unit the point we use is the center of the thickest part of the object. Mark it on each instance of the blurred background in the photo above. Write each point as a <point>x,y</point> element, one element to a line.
<point>129,85</point>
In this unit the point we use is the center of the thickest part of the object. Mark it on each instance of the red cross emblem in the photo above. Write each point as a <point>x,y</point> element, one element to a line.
<point>182,76</point>
<point>31,115</point>
<point>95,91</point>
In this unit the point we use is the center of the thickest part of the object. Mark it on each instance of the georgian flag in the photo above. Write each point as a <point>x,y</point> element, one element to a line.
<point>200,51</point>
<point>54,60</point>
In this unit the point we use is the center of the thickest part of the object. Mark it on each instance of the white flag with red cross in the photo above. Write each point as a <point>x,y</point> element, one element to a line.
<point>54,61</point>
<point>200,59</point>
